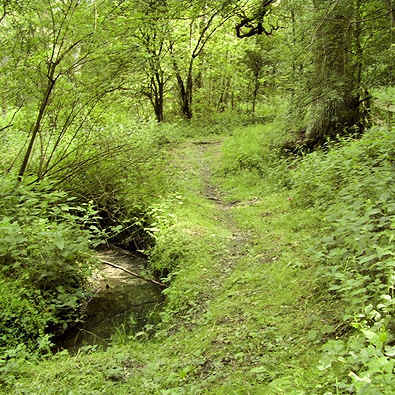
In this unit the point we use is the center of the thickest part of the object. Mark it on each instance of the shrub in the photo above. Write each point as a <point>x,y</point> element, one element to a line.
<point>22,315</point>
<point>323,177</point>
<point>171,241</point>
<point>124,173</point>
<point>45,255</point>
<point>351,186</point>
<point>256,148</point>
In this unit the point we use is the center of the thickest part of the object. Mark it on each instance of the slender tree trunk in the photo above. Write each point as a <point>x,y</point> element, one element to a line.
<point>184,97</point>
<point>159,100</point>
<point>391,9</point>
<point>255,94</point>
<point>224,96</point>
<point>294,42</point>
<point>392,12</point>
<point>189,92</point>
<point>185,89</point>
<point>37,124</point>
<point>185,93</point>
<point>362,110</point>
<point>155,94</point>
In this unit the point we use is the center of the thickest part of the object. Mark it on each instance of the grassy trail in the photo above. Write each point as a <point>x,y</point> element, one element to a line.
<point>238,242</point>
<point>256,299</point>
<point>241,316</point>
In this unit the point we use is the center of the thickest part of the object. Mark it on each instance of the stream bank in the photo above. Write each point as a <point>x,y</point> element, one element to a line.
<point>121,303</point>
<point>241,308</point>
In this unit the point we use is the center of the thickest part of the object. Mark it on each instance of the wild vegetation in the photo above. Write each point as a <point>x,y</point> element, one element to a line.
<point>244,147</point>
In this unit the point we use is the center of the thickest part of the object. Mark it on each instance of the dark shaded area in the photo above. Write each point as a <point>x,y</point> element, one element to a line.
<point>120,304</point>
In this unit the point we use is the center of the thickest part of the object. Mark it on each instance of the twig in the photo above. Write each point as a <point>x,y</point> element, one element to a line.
<point>151,280</point>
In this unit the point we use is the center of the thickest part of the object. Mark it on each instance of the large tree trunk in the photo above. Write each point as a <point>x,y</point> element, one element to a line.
<point>336,107</point>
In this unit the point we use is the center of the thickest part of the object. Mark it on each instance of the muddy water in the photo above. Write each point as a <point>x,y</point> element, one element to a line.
<point>120,302</point>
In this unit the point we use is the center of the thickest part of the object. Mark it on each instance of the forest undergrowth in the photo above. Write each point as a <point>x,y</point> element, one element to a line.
<point>243,149</point>
<point>280,276</point>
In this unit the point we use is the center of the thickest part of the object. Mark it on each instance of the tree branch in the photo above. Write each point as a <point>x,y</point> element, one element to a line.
<point>148,279</point>
<point>246,22</point>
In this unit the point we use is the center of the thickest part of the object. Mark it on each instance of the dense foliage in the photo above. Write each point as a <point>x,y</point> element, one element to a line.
<point>246,148</point>
<point>46,257</point>
<point>351,188</point>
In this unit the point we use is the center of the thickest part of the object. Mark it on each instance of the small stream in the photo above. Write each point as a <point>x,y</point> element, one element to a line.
<point>120,302</point>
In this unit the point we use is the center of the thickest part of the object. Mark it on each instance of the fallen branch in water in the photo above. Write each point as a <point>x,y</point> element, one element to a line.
<point>151,280</point>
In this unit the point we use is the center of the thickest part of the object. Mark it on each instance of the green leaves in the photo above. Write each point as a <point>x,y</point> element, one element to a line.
<point>377,339</point>
<point>351,188</point>
<point>59,243</point>
<point>45,257</point>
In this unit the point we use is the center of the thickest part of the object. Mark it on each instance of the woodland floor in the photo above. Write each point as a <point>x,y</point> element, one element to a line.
<point>242,315</point>
<point>210,191</point>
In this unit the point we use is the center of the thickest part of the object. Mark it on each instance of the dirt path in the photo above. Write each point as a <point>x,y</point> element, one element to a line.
<point>239,241</point>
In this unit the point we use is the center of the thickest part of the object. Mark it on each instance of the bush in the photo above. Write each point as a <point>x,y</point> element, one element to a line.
<point>124,173</point>
<point>351,187</point>
<point>171,241</point>
<point>46,257</point>
<point>323,177</point>
<point>256,148</point>
<point>22,315</point>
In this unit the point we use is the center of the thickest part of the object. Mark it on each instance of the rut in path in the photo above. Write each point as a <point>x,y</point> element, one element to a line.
<point>238,243</point>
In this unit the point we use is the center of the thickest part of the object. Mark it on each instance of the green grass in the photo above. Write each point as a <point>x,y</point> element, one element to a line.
<point>246,312</point>
<point>241,311</point>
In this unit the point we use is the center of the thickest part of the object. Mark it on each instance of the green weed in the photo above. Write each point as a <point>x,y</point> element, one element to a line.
<point>271,291</point>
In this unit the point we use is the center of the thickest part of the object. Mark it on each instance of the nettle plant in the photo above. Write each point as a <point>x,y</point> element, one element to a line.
<point>363,363</point>
<point>358,258</point>
<point>168,241</point>
<point>352,187</point>
<point>46,248</point>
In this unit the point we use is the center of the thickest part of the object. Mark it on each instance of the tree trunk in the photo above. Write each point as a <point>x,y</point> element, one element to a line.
<point>159,93</point>
<point>189,91</point>
<point>255,94</point>
<point>391,9</point>
<point>185,89</point>
<point>224,96</point>
<point>184,97</point>
<point>336,107</point>
<point>158,105</point>
<point>37,124</point>
<point>155,94</point>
